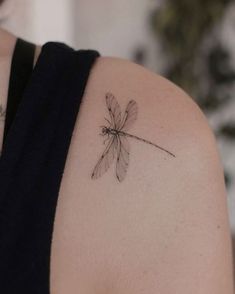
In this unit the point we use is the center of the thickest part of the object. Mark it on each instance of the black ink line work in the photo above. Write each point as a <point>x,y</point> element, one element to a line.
<point>2,113</point>
<point>117,138</point>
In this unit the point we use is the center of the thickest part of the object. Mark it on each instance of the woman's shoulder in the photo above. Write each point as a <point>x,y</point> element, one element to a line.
<point>167,214</point>
<point>128,79</point>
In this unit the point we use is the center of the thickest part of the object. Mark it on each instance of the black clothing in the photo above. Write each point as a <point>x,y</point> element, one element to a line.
<point>42,108</point>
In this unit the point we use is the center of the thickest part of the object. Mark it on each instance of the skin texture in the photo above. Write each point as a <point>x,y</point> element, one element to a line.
<point>165,228</point>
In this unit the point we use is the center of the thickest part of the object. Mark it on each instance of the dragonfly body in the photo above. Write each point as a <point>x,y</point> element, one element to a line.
<point>117,138</point>
<point>109,131</point>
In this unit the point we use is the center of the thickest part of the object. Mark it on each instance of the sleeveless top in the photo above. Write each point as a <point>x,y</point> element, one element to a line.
<point>42,108</point>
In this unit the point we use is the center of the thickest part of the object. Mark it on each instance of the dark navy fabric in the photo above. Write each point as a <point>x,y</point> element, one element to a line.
<point>32,164</point>
<point>21,69</point>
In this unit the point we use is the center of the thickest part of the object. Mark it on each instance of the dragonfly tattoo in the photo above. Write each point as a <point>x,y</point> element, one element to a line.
<point>116,135</point>
<point>2,113</point>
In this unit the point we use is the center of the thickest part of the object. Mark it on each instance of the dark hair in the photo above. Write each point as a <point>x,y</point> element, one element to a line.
<point>1,1</point>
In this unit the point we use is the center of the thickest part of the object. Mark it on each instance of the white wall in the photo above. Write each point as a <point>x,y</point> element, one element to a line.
<point>116,28</point>
<point>112,27</point>
<point>42,20</point>
<point>52,20</point>
<point>19,19</point>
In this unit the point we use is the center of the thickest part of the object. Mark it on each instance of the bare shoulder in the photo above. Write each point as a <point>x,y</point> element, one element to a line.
<point>163,227</point>
<point>128,80</point>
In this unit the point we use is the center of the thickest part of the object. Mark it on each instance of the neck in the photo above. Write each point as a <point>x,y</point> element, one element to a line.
<point>7,44</point>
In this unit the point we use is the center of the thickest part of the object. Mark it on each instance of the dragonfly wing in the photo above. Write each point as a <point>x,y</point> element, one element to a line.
<point>106,158</point>
<point>130,115</point>
<point>123,151</point>
<point>114,110</point>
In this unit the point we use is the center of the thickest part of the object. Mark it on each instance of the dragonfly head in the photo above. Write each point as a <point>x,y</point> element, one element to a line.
<point>104,130</point>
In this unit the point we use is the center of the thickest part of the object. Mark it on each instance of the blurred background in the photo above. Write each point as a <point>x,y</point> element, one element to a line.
<point>192,43</point>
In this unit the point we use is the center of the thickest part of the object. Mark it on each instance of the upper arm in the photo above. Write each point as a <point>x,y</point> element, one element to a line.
<point>164,228</point>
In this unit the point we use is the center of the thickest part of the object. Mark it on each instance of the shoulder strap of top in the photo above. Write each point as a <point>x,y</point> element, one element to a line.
<point>21,69</point>
<point>32,165</point>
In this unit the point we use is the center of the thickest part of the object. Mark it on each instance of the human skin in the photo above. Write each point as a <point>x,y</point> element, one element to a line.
<point>165,228</point>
